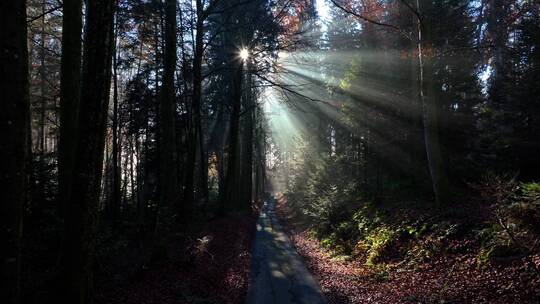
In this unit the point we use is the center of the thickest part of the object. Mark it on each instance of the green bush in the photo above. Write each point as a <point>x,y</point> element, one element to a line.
<point>348,221</point>
<point>378,243</point>
<point>515,227</point>
<point>526,209</point>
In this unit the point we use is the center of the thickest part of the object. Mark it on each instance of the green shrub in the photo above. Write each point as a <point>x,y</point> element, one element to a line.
<point>378,243</point>
<point>531,190</point>
<point>516,214</point>
<point>526,209</point>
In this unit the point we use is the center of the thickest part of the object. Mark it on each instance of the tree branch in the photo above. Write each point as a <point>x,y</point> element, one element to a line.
<point>413,10</point>
<point>367,19</point>
<point>285,88</point>
<point>34,18</point>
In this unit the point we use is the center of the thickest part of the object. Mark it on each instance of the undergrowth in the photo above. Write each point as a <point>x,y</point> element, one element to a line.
<point>503,224</point>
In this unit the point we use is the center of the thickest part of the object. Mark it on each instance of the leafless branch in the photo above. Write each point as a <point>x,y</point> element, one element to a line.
<point>367,19</point>
<point>51,10</point>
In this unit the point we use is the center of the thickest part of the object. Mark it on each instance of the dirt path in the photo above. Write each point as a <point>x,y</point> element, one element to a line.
<point>278,273</point>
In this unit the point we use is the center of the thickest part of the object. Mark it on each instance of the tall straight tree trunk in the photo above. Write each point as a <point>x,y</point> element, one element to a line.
<point>195,136</point>
<point>132,171</point>
<point>197,99</point>
<point>116,171</point>
<point>82,210</point>
<point>14,120</point>
<point>124,186</point>
<point>258,158</point>
<point>231,183</point>
<point>70,90</point>
<point>418,160</point>
<point>43,84</point>
<point>220,160</point>
<point>247,143</point>
<point>218,141</point>
<point>143,180</point>
<point>439,178</point>
<point>168,168</point>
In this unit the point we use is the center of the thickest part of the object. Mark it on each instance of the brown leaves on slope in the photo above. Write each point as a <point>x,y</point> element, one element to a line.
<point>213,268</point>
<point>449,278</point>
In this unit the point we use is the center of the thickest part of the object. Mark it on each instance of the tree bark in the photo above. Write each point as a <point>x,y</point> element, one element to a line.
<point>70,86</point>
<point>231,183</point>
<point>43,85</point>
<point>168,168</point>
<point>132,169</point>
<point>439,178</point>
<point>14,120</point>
<point>82,210</point>
<point>258,155</point>
<point>116,156</point>
<point>247,143</point>
<point>195,135</point>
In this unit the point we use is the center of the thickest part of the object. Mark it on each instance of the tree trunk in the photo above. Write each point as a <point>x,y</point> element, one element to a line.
<point>168,168</point>
<point>195,136</point>
<point>43,85</point>
<point>70,86</point>
<point>132,169</point>
<point>247,149</point>
<point>143,181</point>
<point>82,211</point>
<point>231,186</point>
<point>218,142</point>
<point>439,178</point>
<point>197,118</point>
<point>415,142</point>
<point>116,171</point>
<point>14,119</point>
<point>258,155</point>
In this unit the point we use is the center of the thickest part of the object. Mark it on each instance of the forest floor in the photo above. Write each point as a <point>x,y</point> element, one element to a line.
<point>446,278</point>
<point>211,266</point>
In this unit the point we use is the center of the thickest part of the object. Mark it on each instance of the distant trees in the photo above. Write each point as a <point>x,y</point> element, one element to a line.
<point>406,99</point>
<point>509,117</point>
<point>419,75</point>
<point>424,39</point>
<point>448,43</point>
<point>14,157</point>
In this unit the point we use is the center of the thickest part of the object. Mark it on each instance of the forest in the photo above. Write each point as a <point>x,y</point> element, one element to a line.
<point>270,151</point>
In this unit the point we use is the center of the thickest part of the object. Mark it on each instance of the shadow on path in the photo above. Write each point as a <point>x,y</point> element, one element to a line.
<point>278,274</point>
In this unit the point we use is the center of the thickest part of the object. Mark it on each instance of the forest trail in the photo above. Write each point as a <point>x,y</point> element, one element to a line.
<point>278,273</point>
